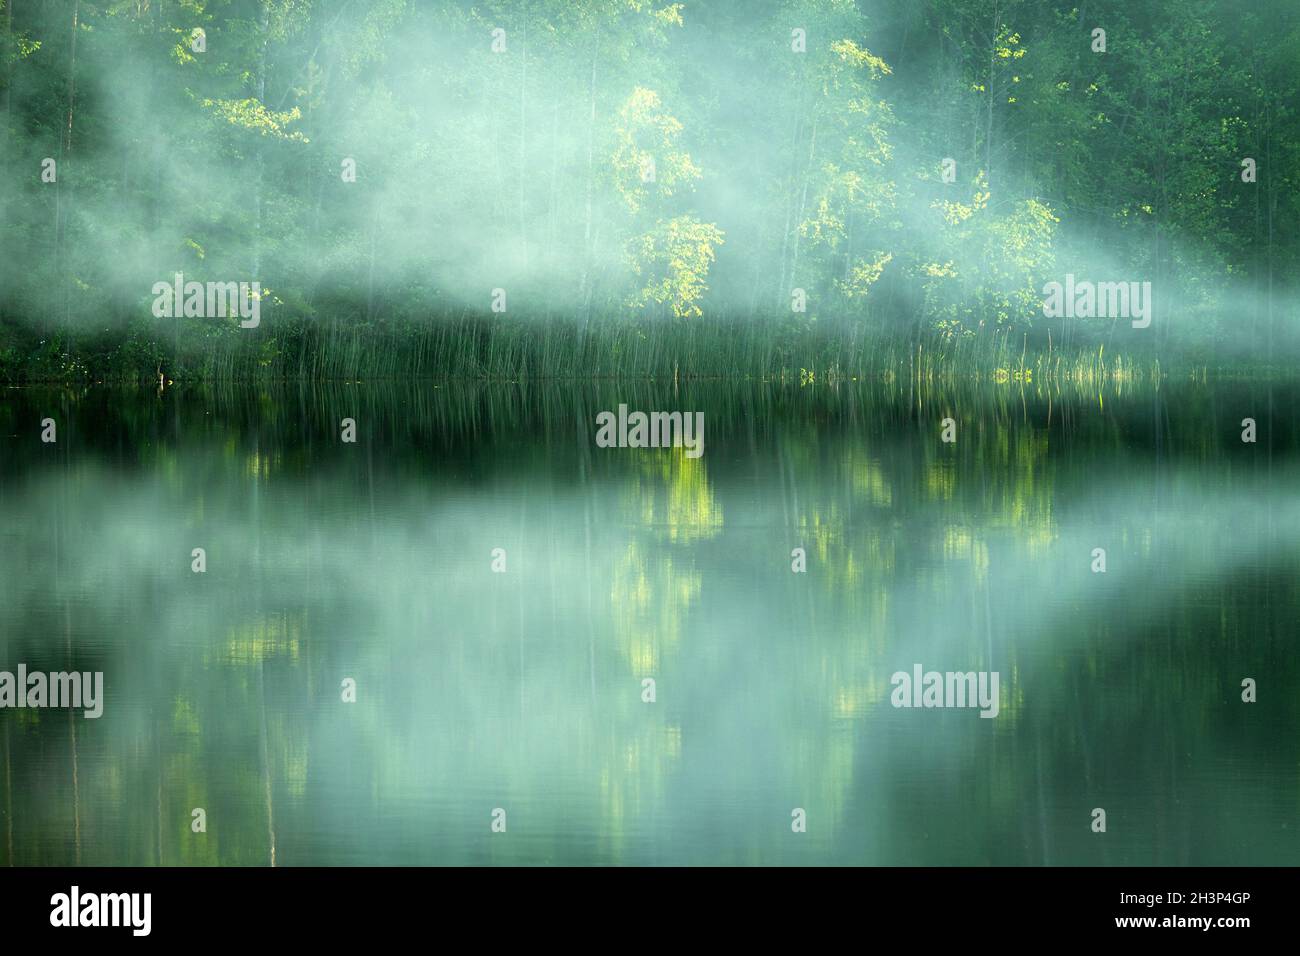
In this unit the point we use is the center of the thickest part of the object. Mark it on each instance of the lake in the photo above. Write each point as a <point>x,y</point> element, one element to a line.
<point>431,645</point>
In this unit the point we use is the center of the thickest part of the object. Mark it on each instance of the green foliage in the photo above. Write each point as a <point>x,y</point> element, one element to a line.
<point>251,115</point>
<point>985,265</point>
<point>675,257</point>
<point>523,165</point>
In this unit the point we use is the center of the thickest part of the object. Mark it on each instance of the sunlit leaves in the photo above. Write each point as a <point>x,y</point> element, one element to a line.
<point>249,114</point>
<point>646,133</point>
<point>676,256</point>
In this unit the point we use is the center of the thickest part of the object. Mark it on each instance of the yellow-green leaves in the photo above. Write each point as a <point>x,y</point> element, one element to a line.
<point>675,256</point>
<point>860,57</point>
<point>863,274</point>
<point>251,115</point>
<point>647,160</point>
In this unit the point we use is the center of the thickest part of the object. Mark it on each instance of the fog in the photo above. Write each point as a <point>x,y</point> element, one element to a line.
<point>605,162</point>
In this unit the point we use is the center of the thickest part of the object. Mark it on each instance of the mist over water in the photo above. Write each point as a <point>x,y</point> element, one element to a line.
<point>523,690</point>
<point>966,333</point>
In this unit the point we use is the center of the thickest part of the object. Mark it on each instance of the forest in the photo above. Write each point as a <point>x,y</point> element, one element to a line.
<point>636,188</point>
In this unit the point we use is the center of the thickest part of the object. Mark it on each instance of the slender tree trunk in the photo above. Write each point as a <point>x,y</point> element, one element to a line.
<point>803,202</point>
<point>9,67</point>
<point>585,287</point>
<point>1256,126</point>
<point>72,105</point>
<point>264,27</point>
<point>370,278</point>
<point>555,173</point>
<point>155,199</point>
<point>782,292</point>
<point>1272,208</point>
<point>988,124</point>
<point>65,149</point>
<point>523,139</point>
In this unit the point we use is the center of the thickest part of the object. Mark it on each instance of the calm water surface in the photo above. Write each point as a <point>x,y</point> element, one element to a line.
<point>523,690</point>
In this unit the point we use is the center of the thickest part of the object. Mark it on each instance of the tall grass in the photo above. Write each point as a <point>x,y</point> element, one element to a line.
<point>466,346</point>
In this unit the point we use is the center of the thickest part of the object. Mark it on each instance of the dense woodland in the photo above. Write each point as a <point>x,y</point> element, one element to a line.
<point>565,187</point>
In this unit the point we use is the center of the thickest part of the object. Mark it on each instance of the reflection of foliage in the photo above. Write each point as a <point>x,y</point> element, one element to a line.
<point>649,598</point>
<point>673,493</point>
<point>1023,498</point>
<point>907,542</point>
<point>824,533</point>
<point>868,478</point>
<point>261,640</point>
<point>187,787</point>
<point>652,590</point>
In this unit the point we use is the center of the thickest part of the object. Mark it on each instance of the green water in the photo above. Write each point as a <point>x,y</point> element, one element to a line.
<point>522,690</point>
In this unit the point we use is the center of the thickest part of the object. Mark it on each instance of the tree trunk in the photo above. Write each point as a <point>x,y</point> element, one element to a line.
<point>9,67</point>
<point>523,139</point>
<point>370,278</point>
<point>263,25</point>
<point>65,150</point>
<point>555,172</point>
<point>584,291</point>
<point>803,202</point>
<point>988,123</point>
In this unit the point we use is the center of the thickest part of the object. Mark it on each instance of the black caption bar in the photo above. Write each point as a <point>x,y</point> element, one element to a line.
<point>338,905</point>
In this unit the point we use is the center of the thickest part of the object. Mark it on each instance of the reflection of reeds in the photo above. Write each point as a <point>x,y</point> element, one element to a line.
<point>9,801</point>
<point>157,742</point>
<point>266,765</point>
<point>9,786</point>
<point>902,532</point>
<point>72,735</point>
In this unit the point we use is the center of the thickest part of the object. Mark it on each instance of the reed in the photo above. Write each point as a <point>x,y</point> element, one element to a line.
<point>461,346</point>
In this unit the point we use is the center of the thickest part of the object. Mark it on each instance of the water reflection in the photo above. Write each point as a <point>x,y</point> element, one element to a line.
<point>523,690</point>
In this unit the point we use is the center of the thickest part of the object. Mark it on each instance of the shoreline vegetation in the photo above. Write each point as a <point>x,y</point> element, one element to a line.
<point>478,348</point>
<point>583,189</point>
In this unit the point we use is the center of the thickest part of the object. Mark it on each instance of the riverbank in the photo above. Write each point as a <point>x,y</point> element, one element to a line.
<point>495,348</point>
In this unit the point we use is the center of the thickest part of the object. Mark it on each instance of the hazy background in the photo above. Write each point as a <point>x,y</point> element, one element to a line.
<point>522,170</point>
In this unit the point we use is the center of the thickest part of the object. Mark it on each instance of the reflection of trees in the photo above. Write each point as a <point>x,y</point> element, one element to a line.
<point>649,598</point>
<point>479,691</point>
<point>670,492</point>
<point>667,504</point>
